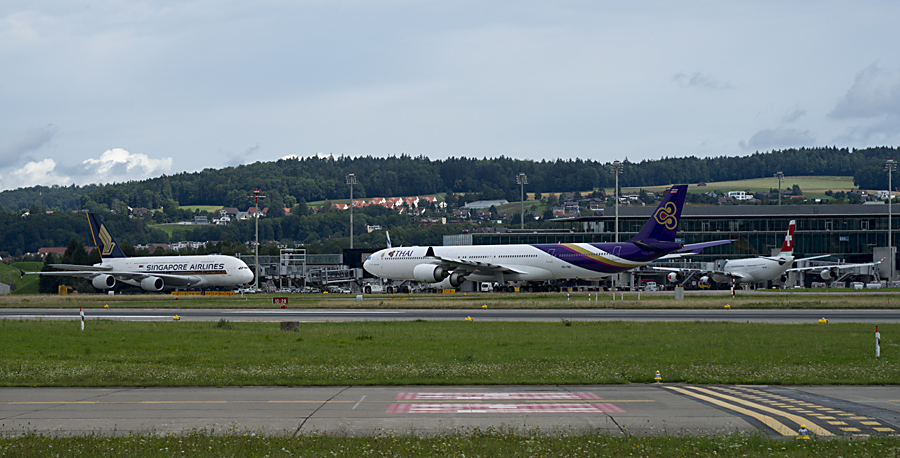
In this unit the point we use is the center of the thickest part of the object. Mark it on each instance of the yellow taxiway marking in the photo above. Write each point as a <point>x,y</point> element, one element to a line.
<point>871,423</point>
<point>850,430</point>
<point>778,426</point>
<point>884,430</point>
<point>812,427</point>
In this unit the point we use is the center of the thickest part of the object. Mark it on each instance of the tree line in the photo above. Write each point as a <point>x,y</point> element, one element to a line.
<point>287,182</point>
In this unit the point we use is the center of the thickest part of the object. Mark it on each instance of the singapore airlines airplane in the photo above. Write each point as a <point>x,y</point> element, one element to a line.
<point>539,262</point>
<point>761,268</point>
<point>153,273</point>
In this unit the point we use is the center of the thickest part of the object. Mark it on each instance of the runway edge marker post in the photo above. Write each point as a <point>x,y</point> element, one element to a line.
<point>81,312</point>
<point>877,342</point>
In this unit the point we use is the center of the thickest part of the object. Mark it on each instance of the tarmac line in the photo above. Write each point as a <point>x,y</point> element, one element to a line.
<point>779,427</point>
<point>812,427</point>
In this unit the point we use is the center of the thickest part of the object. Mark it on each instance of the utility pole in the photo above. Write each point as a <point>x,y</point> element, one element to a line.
<point>889,167</point>
<point>779,176</point>
<point>351,180</point>
<point>256,196</point>
<point>522,180</point>
<point>617,169</point>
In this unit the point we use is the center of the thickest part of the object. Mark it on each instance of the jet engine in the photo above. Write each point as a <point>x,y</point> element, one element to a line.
<point>704,279</point>
<point>675,276</point>
<point>152,284</point>
<point>456,279</point>
<point>429,273</point>
<point>781,279</point>
<point>828,274</point>
<point>104,281</point>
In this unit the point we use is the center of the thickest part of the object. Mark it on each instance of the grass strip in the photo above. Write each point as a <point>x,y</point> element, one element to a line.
<point>474,443</point>
<point>117,353</point>
<point>748,300</point>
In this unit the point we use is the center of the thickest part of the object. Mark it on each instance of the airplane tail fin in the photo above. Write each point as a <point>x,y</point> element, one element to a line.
<point>787,248</point>
<point>103,240</point>
<point>662,225</point>
<point>388,235</point>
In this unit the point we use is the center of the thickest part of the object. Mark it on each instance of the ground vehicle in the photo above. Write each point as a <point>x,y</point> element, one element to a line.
<point>486,287</point>
<point>651,286</point>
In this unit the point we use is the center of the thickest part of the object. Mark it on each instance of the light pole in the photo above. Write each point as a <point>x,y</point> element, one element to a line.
<point>522,180</point>
<point>256,196</point>
<point>351,180</point>
<point>779,176</point>
<point>617,169</point>
<point>889,167</point>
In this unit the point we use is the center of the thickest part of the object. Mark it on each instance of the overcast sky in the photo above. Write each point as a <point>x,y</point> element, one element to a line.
<point>117,90</point>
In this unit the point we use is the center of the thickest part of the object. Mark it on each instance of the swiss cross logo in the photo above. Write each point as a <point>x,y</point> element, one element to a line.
<point>788,239</point>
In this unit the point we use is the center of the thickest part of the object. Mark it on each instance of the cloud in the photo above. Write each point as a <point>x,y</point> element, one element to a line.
<point>700,80</point>
<point>117,163</point>
<point>12,148</point>
<point>795,114</point>
<point>778,138</point>
<point>33,173</point>
<point>876,92</point>
<point>114,165</point>
<point>246,158</point>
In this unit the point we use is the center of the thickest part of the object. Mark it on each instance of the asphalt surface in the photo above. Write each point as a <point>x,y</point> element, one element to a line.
<point>308,315</point>
<point>842,411</point>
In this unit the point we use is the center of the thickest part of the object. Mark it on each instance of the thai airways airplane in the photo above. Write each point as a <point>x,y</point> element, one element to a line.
<point>539,262</point>
<point>152,273</point>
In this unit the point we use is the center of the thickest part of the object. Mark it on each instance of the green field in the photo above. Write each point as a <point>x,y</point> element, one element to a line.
<point>764,299</point>
<point>471,443</point>
<point>203,208</point>
<point>119,353</point>
<point>11,275</point>
<point>815,184</point>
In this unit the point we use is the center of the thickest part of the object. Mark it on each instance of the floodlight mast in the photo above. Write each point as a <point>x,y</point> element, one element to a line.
<point>617,169</point>
<point>779,176</point>
<point>522,180</point>
<point>890,166</point>
<point>351,180</point>
<point>256,196</point>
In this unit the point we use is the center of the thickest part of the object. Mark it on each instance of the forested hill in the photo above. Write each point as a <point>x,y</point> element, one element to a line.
<point>311,179</point>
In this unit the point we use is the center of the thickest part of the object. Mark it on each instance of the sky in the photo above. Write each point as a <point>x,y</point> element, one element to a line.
<point>119,90</point>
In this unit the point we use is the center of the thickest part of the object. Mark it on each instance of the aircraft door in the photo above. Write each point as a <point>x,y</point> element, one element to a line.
<point>617,250</point>
<point>551,254</point>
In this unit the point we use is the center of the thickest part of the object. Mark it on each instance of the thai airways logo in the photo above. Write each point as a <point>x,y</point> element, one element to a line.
<point>106,240</point>
<point>665,215</point>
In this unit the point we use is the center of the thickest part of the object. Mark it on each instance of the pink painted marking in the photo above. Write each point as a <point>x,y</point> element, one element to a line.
<point>553,396</point>
<point>504,408</point>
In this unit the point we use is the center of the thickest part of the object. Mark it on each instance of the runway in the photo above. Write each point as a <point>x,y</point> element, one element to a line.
<point>321,315</point>
<point>848,411</point>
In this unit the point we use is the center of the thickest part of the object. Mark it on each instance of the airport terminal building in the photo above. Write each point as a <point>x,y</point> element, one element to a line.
<point>852,233</point>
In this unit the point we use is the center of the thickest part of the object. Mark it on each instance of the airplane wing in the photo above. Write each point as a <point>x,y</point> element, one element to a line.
<point>735,275</point>
<point>81,267</point>
<point>472,266</point>
<point>169,279</point>
<point>694,248</point>
<point>836,266</point>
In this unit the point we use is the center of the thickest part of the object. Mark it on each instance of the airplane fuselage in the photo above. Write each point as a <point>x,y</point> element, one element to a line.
<point>212,270</point>
<point>754,270</point>
<point>539,262</point>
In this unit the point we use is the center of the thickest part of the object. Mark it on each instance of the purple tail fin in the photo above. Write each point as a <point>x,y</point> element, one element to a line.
<point>662,225</point>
